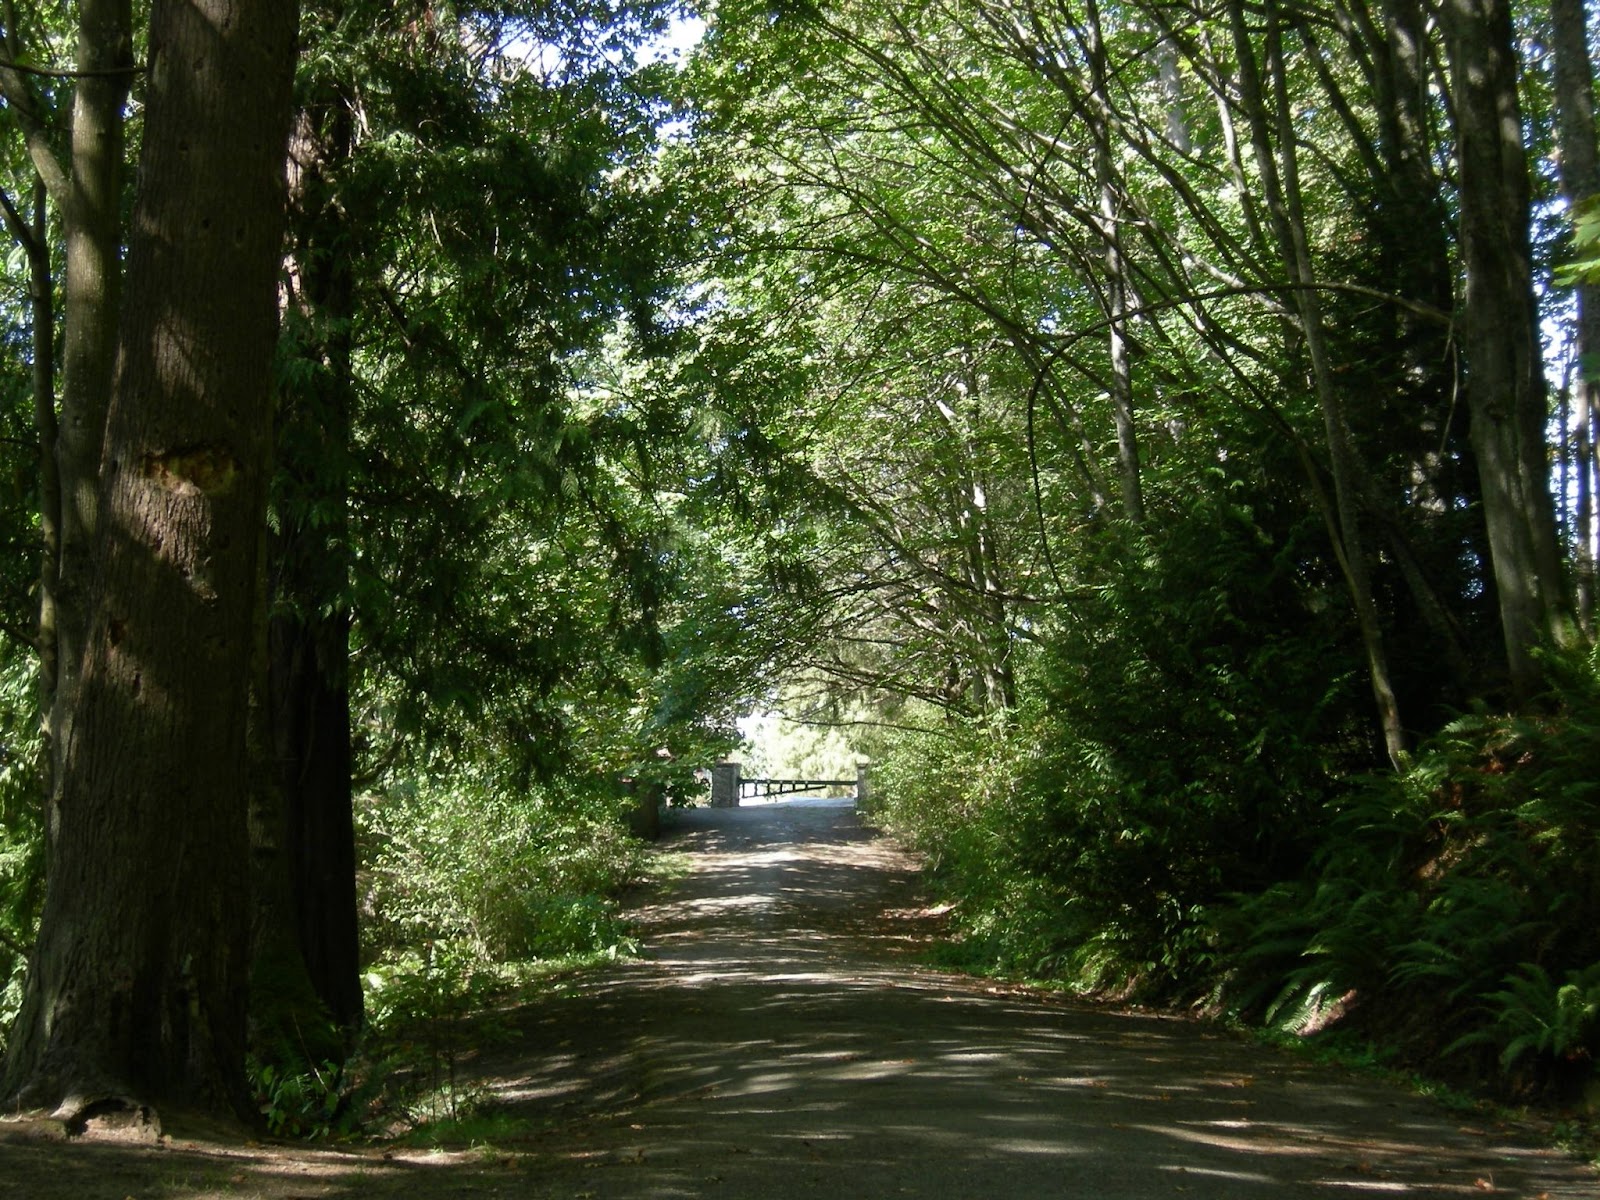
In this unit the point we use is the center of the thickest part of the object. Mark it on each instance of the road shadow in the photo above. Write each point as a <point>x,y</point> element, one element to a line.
<point>781,1039</point>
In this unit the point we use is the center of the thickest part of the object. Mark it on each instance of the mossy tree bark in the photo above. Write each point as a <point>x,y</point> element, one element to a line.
<point>137,989</point>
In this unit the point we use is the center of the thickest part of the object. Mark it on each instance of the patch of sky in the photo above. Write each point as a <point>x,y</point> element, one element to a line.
<point>627,45</point>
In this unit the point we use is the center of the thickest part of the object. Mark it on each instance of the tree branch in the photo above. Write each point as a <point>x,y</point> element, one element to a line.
<point>10,943</point>
<point>64,73</point>
<point>20,635</point>
<point>14,222</point>
<point>818,723</point>
<point>24,105</point>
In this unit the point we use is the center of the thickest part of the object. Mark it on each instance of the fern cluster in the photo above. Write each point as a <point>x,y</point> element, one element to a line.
<point>1461,898</point>
<point>1179,812</point>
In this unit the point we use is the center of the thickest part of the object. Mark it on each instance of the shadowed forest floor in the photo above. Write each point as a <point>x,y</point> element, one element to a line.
<point>780,1040</point>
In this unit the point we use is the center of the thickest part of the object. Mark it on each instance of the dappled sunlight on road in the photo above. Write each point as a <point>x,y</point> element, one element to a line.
<point>779,1039</point>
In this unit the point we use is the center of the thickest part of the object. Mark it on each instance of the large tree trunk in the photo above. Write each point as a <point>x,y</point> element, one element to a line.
<point>1116,293</point>
<point>1427,497</point>
<point>137,991</point>
<point>91,294</point>
<point>1500,334</point>
<point>311,737</point>
<point>1410,225</point>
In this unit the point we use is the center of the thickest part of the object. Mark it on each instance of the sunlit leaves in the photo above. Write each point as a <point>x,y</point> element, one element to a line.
<point>1584,267</point>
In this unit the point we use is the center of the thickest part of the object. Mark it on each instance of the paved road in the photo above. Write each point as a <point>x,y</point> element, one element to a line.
<point>779,1042</point>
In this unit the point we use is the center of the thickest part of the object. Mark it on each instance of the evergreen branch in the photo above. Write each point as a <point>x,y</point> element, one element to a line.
<point>10,943</point>
<point>74,73</point>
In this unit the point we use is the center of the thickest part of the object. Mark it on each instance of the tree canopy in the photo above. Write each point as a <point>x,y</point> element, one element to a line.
<point>1162,434</point>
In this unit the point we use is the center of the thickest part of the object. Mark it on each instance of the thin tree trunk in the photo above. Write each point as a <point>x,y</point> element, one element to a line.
<point>1282,193</point>
<point>41,296</point>
<point>1579,161</point>
<point>1116,276</point>
<point>1584,501</point>
<point>34,236</point>
<point>1230,141</point>
<point>982,567</point>
<point>137,988</point>
<point>1172,95</point>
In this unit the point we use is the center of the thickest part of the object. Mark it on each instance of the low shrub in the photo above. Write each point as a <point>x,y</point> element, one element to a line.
<point>510,875</point>
<point>1455,908</point>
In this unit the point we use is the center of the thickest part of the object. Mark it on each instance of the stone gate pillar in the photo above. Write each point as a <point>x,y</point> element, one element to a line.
<point>725,785</point>
<point>863,788</point>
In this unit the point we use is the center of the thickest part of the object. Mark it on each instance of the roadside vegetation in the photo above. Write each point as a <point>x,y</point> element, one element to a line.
<point>1162,440</point>
<point>1440,919</point>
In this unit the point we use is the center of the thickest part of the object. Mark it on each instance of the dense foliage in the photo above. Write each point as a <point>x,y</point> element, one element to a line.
<point>1094,407</point>
<point>1152,498</point>
<point>475,568</point>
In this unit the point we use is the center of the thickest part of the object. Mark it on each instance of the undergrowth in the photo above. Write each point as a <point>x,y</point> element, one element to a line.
<point>21,843</point>
<point>1448,915</point>
<point>1455,909</point>
<point>515,874</point>
<point>472,894</point>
